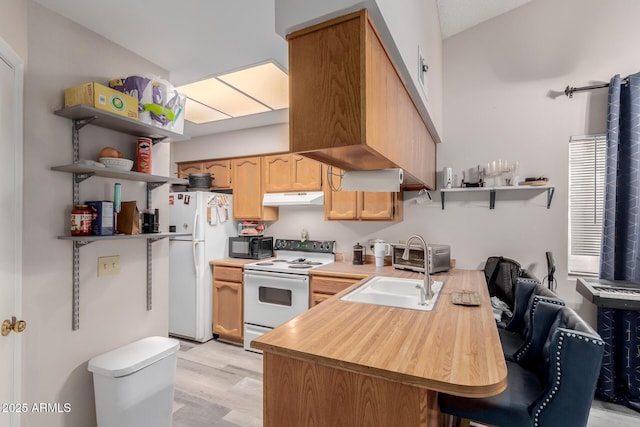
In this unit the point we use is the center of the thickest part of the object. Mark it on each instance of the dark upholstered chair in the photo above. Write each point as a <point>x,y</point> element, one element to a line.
<point>514,335</point>
<point>551,385</point>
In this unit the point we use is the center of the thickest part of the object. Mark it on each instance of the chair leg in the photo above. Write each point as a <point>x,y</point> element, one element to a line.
<point>464,422</point>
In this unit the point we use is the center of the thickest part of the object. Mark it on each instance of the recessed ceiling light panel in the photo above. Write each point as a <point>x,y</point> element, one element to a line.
<point>199,113</point>
<point>267,83</point>
<point>218,95</point>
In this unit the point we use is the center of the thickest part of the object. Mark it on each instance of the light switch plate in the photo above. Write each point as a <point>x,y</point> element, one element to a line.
<point>108,265</point>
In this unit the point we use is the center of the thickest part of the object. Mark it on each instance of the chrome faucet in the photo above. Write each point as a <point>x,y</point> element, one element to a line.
<point>426,293</point>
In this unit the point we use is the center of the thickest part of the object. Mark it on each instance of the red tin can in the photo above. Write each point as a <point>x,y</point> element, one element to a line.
<point>81,217</point>
<point>143,155</point>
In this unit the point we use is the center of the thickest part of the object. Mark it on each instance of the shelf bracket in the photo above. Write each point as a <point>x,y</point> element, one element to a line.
<point>550,192</point>
<point>492,199</point>
<point>156,139</point>
<point>149,275</point>
<point>154,185</point>
<point>75,312</point>
<point>150,187</point>
<point>442,199</point>
<point>80,123</point>
<point>79,177</point>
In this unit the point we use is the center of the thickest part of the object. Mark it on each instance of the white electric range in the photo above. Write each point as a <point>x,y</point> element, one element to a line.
<point>277,290</point>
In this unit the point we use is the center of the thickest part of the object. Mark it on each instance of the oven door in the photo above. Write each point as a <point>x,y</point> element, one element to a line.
<point>271,299</point>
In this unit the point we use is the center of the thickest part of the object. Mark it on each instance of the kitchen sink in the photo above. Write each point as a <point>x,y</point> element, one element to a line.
<point>393,292</point>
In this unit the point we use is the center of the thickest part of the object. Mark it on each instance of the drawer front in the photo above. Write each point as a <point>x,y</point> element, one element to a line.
<point>227,274</point>
<point>331,285</point>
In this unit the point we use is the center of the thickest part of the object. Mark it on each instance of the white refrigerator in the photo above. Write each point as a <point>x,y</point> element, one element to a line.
<point>208,219</point>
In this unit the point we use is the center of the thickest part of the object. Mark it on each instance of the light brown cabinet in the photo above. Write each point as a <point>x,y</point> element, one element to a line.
<point>324,287</point>
<point>248,191</point>
<point>220,169</point>
<point>184,169</point>
<point>359,205</point>
<point>349,107</point>
<point>228,303</point>
<point>291,172</point>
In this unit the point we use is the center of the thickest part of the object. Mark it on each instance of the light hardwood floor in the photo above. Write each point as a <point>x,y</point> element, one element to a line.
<point>219,384</point>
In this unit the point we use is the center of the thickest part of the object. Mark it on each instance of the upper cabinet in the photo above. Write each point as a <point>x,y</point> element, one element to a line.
<point>184,169</point>
<point>248,191</point>
<point>219,169</point>
<point>291,172</point>
<point>360,205</point>
<point>348,105</point>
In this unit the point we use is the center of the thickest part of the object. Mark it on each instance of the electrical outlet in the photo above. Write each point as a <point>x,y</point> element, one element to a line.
<point>108,265</point>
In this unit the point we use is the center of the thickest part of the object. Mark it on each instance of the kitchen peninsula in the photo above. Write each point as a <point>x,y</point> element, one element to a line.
<point>345,363</point>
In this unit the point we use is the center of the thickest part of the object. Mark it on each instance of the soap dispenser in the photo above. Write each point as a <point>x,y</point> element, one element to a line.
<point>358,254</point>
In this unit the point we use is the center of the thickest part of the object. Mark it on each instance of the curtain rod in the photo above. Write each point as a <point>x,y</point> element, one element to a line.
<point>569,89</point>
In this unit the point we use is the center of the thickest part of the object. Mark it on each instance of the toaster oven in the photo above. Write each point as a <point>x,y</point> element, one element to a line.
<point>439,258</point>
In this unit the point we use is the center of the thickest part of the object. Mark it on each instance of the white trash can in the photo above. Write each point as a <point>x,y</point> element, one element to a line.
<point>134,384</point>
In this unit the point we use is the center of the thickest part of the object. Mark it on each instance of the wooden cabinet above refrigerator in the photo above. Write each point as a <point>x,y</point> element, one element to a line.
<point>348,105</point>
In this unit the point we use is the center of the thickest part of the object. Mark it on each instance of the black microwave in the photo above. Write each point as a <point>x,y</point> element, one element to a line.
<point>251,247</point>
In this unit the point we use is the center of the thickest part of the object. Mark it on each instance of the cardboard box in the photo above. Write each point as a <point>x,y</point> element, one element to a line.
<point>128,218</point>
<point>99,96</point>
<point>102,221</point>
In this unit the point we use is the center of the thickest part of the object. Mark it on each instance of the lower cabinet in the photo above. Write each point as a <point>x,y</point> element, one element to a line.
<point>228,306</point>
<point>324,287</point>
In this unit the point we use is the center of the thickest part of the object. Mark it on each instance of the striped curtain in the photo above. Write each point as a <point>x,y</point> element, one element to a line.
<point>620,257</point>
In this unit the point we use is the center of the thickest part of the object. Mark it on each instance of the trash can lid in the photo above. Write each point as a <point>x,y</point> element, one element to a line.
<point>132,357</point>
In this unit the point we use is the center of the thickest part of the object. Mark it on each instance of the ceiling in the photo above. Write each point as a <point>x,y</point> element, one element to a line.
<point>207,38</point>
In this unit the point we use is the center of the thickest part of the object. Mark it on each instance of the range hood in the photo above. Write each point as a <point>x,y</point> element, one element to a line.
<point>308,198</point>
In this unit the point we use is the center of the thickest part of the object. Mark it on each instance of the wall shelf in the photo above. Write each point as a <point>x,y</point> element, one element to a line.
<point>83,240</point>
<point>86,114</point>
<point>550,189</point>
<point>85,171</point>
<point>82,115</point>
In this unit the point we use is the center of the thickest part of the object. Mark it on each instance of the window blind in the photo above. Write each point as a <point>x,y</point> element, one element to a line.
<point>587,156</point>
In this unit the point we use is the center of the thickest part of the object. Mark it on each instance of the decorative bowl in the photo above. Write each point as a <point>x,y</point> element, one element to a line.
<point>117,163</point>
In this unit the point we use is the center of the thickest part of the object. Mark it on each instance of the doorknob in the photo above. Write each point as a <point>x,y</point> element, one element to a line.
<point>13,325</point>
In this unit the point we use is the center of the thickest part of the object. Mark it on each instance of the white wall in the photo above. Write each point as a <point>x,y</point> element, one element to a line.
<point>112,309</point>
<point>13,26</point>
<point>246,142</point>
<point>503,83</point>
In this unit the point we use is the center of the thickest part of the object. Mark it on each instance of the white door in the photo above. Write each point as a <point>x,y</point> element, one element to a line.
<point>11,75</point>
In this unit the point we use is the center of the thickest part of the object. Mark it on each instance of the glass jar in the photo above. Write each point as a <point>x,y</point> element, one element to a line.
<point>81,217</point>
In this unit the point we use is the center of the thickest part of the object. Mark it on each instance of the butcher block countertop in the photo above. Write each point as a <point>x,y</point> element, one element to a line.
<point>347,269</point>
<point>232,262</point>
<point>453,349</point>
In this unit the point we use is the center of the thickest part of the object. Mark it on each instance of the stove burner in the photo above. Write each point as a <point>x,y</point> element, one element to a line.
<point>264,263</point>
<point>298,261</point>
<point>279,260</point>
<point>300,266</point>
<point>313,263</point>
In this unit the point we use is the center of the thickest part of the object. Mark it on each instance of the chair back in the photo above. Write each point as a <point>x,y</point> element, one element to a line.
<point>569,365</point>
